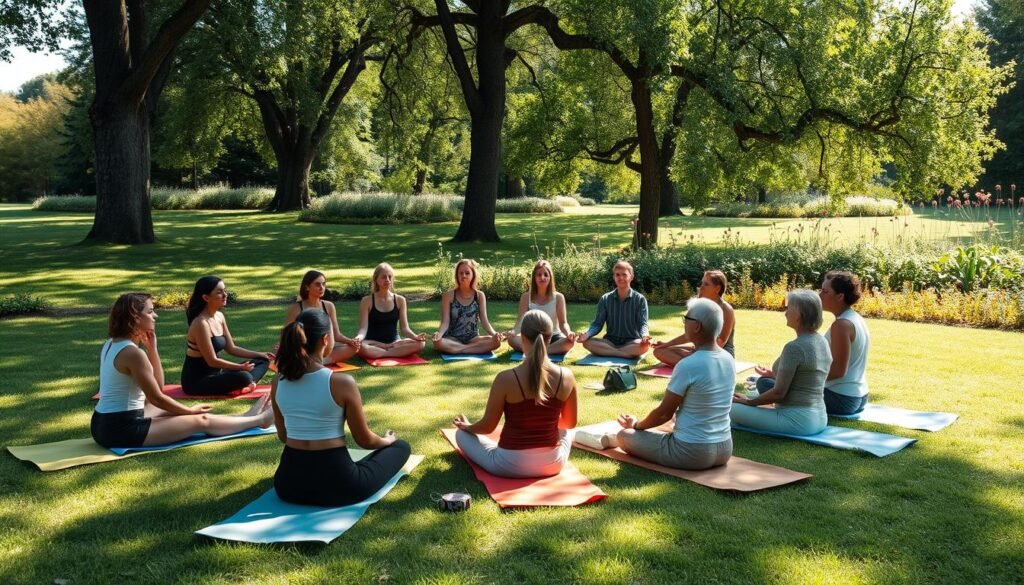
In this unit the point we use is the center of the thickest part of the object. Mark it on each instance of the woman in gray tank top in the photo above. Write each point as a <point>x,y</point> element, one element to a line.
<point>846,389</point>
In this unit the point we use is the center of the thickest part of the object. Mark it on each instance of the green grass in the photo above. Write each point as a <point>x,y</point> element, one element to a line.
<point>949,509</point>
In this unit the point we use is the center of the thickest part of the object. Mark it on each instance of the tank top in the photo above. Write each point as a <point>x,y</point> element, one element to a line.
<point>529,425</point>
<point>380,326</point>
<point>118,392</point>
<point>729,345</point>
<point>549,307</point>
<point>309,410</point>
<point>854,381</point>
<point>465,319</point>
<point>219,342</point>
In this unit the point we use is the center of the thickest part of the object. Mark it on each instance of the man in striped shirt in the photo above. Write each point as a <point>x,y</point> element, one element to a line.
<point>624,310</point>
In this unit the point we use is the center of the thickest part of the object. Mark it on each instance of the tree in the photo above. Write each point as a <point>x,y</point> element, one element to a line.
<point>1003,20</point>
<point>31,143</point>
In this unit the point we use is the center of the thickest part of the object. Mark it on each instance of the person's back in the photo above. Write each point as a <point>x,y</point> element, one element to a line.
<point>530,424</point>
<point>854,381</point>
<point>706,379</point>
<point>308,407</point>
<point>810,357</point>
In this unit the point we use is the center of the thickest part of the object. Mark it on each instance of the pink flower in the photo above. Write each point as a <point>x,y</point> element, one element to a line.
<point>949,199</point>
<point>999,187</point>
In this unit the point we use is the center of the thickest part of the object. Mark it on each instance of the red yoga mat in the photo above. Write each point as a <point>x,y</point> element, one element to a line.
<point>174,391</point>
<point>568,488</point>
<point>340,367</point>
<point>410,360</point>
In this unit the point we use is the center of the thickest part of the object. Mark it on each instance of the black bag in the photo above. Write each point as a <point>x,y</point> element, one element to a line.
<point>619,379</point>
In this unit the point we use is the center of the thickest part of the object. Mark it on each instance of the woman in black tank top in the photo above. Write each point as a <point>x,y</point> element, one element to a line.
<point>311,292</point>
<point>380,315</point>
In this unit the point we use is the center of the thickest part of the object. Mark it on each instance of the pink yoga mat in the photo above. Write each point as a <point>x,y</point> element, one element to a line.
<point>411,360</point>
<point>568,488</point>
<point>174,391</point>
<point>665,371</point>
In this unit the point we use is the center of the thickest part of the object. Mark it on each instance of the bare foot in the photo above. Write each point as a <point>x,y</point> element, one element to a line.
<point>262,405</point>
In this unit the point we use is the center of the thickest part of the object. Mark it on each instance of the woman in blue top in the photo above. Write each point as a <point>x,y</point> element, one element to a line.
<point>463,310</point>
<point>311,406</point>
<point>846,389</point>
<point>380,315</point>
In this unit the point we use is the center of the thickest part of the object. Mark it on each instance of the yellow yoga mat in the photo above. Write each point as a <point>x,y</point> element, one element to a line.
<point>65,454</point>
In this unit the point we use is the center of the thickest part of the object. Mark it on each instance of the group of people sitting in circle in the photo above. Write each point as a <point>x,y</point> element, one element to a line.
<point>310,404</point>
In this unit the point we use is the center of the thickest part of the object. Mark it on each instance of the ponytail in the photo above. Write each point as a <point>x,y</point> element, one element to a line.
<point>196,304</point>
<point>300,340</point>
<point>537,327</point>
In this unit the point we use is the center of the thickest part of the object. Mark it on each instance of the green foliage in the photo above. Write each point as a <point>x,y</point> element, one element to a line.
<point>31,144</point>
<point>353,290</point>
<point>69,203</point>
<point>1003,20</point>
<point>803,205</point>
<point>973,267</point>
<point>21,304</point>
<point>391,208</point>
<point>177,298</point>
<point>528,205</point>
<point>171,199</point>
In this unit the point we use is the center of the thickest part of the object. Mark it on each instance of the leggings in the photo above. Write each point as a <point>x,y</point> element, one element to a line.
<point>199,379</point>
<point>329,478</point>
<point>538,462</point>
<point>665,449</point>
<point>836,403</point>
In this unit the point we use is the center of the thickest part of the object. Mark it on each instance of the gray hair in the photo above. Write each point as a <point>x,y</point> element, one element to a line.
<point>708,313</point>
<point>808,306</point>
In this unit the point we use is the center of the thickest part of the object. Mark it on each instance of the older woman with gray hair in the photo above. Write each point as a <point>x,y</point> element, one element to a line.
<point>699,395</point>
<point>796,382</point>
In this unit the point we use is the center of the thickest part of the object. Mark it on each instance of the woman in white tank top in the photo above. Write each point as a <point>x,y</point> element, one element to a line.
<point>133,410</point>
<point>846,389</point>
<point>542,296</point>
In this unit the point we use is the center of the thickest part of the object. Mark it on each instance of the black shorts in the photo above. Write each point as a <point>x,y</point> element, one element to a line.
<point>120,429</point>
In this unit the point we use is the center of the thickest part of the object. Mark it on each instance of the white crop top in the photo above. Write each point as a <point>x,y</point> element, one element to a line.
<point>118,392</point>
<point>309,410</point>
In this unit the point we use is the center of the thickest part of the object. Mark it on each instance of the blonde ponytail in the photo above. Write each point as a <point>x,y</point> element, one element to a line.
<point>537,327</point>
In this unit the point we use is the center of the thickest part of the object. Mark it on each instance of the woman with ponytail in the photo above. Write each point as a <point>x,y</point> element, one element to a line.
<point>204,373</point>
<point>311,405</point>
<point>538,400</point>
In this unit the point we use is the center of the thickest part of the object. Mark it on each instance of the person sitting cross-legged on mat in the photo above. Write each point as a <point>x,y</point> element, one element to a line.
<point>712,286</point>
<point>378,324</point>
<point>463,310</point>
<point>846,389</point>
<point>624,310</point>
<point>204,373</point>
<point>311,406</point>
<point>538,400</point>
<point>699,395</point>
<point>796,382</point>
<point>542,296</point>
<point>311,296</point>
<point>133,410</point>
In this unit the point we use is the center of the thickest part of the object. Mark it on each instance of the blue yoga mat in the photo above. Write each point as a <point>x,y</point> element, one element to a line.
<point>901,417</point>
<point>878,444</point>
<point>197,439</point>
<point>268,519</point>
<point>556,358</point>
<point>600,360</point>
<point>466,357</point>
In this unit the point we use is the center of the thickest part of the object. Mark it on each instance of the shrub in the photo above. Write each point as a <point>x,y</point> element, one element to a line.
<point>803,205</point>
<point>177,298</point>
<point>389,208</point>
<point>212,198</point>
<point>566,201</point>
<point>353,291</point>
<point>21,304</point>
<point>528,205</point>
<point>585,201</point>
<point>67,203</point>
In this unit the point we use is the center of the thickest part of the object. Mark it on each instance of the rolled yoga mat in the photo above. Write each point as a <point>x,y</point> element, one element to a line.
<point>900,417</point>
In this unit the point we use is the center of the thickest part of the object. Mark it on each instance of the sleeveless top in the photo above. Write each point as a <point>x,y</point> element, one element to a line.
<point>380,326</point>
<point>465,319</point>
<point>219,342</point>
<point>529,425</point>
<point>309,410</point>
<point>729,345</point>
<point>854,382</point>
<point>118,392</point>
<point>549,307</point>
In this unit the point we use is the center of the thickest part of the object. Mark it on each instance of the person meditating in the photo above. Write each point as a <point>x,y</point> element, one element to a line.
<point>204,373</point>
<point>538,400</point>
<point>699,395</point>
<point>846,389</point>
<point>380,314</point>
<point>311,293</point>
<point>624,310</point>
<point>133,410</point>
<point>542,296</point>
<point>712,286</point>
<point>311,405</point>
<point>463,310</point>
<point>796,382</point>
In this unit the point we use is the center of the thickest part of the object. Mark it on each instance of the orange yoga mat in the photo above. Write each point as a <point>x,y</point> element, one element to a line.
<point>568,488</point>
<point>339,367</point>
<point>410,360</point>
<point>175,391</point>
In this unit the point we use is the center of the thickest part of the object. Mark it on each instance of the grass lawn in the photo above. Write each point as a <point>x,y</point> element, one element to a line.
<point>263,256</point>
<point>949,509</point>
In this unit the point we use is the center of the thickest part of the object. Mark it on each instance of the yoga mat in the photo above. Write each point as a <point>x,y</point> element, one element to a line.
<point>665,371</point>
<point>467,357</point>
<point>269,520</point>
<point>598,360</point>
<point>175,392</point>
<point>738,475</point>
<point>556,358</point>
<point>878,444</point>
<point>568,488</point>
<point>75,452</point>
<point>339,367</point>
<point>411,360</point>
<point>901,417</point>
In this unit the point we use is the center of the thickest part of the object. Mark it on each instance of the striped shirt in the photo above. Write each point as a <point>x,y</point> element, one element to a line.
<point>626,318</point>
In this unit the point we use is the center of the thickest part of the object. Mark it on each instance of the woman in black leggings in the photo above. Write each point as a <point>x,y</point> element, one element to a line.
<point>204,373</point>
<point>311,405</point>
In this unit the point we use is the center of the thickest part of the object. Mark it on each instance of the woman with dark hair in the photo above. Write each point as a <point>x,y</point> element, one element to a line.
<point>379,325</point>
<point>311,296</point>
<point>133,410</point>
<point>204,373</point>
<point>846,389</point>
<point>463,311</point>
<point>712,286</point>
<point>538,400</point>
<point>311,406</point>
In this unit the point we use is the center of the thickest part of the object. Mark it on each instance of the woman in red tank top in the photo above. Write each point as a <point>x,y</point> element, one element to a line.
<point>538,401</point>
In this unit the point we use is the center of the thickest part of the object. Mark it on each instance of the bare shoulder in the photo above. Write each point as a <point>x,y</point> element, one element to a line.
<point>329,306</point>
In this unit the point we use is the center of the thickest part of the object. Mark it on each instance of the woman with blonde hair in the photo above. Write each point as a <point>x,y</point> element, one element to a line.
<point>538,401</point>
<point>542,296</point>
<point>380,314</point>
<point>311,296</point>
<point>463,311</point>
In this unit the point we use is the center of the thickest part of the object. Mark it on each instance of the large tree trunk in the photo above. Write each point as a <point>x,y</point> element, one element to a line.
<point>482,183</point>
<point>646,233</point>
<point>292,191</point>
<point>669,202</point>
<point>421,180</point>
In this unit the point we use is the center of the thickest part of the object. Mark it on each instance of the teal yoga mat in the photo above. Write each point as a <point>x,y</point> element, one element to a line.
<point>196,439</point>
<point>556,358</point>
<point>901,417</point>
<point>600,360</point>
<point>878,444</point>
<point>269,520</point>
<point>467,357</point>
